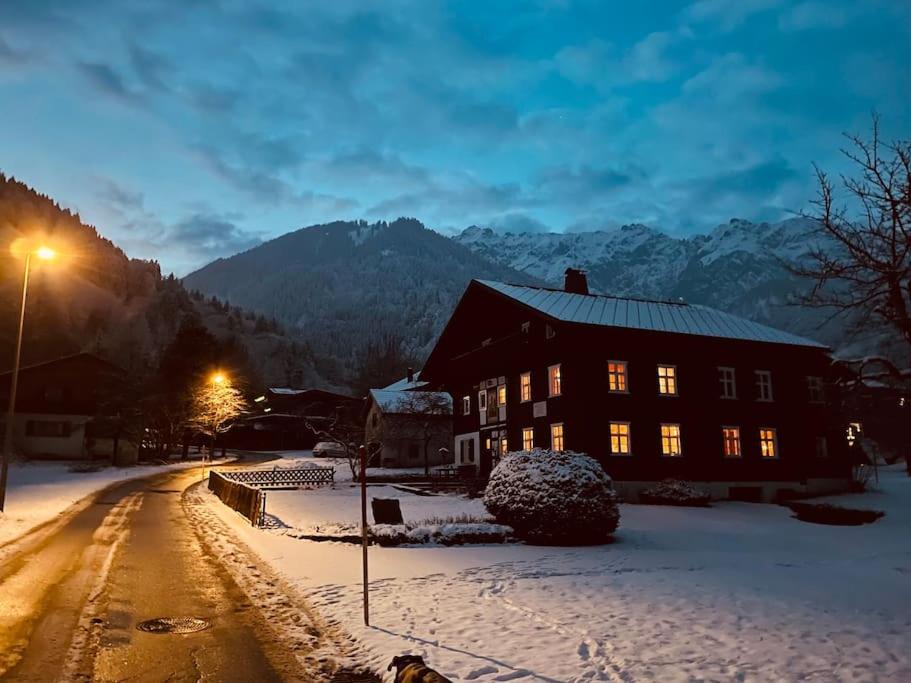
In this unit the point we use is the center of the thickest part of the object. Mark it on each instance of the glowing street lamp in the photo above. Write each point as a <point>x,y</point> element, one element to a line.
<point>44,253</point>
<point>219,378</point>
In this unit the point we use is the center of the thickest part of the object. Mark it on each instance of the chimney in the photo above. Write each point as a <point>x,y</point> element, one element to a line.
<point>576,281</point>
<point>410,375</point>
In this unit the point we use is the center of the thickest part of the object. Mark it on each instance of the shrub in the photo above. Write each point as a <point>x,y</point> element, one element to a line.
<point>826,513</point>
<point>675,492</point>
<point>555,498</point>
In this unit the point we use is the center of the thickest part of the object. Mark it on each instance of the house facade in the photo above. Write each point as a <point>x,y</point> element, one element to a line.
<point>409,428</point>
<point>64,408</point>
<point>650,389</point>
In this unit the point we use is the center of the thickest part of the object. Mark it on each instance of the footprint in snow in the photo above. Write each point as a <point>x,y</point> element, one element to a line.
<point>513,675</point>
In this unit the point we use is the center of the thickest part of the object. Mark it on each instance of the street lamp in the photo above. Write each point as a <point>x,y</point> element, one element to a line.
<point>43,253</point>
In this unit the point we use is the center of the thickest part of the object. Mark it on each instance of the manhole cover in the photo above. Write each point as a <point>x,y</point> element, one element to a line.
<point>173,625</point>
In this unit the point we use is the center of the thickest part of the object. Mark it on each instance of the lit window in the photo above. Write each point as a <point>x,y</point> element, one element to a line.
<point>667,380</point>
<point>525,386</point>
<point>731,441</point>
<point>768,442</point>
<point>670,440</point>
<point>554,380</point>
<point>501,395</point>
<point>528,438</point>
<point>504,448</point>
<point>855,429</point>
<point>556,436</point>
<point>619,438</point>
<point>728,382</point>
<point>763,385</point>
<point>466,405</point>
<point>815,390</point>
<point>822,447</point>
<point>616,376</point>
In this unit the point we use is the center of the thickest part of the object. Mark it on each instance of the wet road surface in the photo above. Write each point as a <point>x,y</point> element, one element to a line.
<point>71,598</point>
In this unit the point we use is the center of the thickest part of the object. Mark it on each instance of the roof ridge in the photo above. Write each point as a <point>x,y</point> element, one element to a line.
<point>669,302</point>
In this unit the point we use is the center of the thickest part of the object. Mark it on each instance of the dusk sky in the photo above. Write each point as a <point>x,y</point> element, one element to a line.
<point>191,130</point>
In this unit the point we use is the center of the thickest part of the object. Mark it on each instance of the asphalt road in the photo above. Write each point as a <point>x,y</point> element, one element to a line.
<point>71,598</point>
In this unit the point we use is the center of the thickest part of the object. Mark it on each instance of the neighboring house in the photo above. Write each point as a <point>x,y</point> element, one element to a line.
<point>408,428</point>
<point>64,408</point>
<point>280,417</point>
<point>651,389</point>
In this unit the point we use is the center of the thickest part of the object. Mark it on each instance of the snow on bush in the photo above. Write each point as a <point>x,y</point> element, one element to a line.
<point>440,534</point>
<point>675,492</point>
<point>551,497</point>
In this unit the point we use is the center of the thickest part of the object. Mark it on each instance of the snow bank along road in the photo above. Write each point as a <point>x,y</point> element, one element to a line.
<point>72,593</point>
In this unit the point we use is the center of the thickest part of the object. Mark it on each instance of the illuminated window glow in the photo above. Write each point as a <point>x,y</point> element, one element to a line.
<point>620,438</point>
<point>731,442</point>
<point>556,436</point>
<point>525,386</point>
<point>667,380</point>
<point>528,438</point>
<point>768,443</point>
<point>501,395</point>
<point>616,376</point>
<point>670,440</point>
<point>554,380</point>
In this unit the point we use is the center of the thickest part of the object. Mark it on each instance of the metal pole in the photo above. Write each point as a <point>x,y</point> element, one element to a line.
<point>14,381</point>
<point>362,454</point>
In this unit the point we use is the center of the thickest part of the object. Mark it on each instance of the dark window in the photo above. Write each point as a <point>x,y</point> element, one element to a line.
<point>48,428</point>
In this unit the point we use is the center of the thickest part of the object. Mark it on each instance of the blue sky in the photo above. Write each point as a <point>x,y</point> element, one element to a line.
<point>191,130</point>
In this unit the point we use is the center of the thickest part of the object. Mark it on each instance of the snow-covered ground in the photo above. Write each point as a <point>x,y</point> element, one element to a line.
<point>733,592</point>
<point>39,491</point>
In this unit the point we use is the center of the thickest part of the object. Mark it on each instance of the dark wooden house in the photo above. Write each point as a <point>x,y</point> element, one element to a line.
<point>652,389</point>
<point>65,408</point>
<point>281,415</point>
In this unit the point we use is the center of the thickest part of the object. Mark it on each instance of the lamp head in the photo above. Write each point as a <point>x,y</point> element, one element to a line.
<point>45,253</point>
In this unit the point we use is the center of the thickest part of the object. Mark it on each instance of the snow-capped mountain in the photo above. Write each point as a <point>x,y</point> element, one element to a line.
<point>738,267</point>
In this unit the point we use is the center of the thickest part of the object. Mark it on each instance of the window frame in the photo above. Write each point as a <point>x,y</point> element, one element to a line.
<point>502,395</point>
<point>673,379</point>
<point>525,439</point>
<point>724,380</point>
<point>482,400</point>
<point>562,437</point>
<point>523,386</point>
<point>624,374</point>
<point>766,375</point>
<point>724,443</point>
<point>628,436</point>
<point>550,380</point>
<point>776,453</point>
<point>677,438</point>
<point>466,405</point>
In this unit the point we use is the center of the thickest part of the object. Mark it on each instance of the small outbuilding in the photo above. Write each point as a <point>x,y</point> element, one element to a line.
<point>409,428</point>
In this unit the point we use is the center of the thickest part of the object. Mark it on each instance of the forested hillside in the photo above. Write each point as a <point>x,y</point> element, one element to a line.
<point>360,295</point>
<point>95,298</point>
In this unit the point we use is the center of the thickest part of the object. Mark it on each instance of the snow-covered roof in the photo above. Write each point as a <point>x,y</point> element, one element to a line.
<point>409,401</point>
<point>404,385</point>
<point>660,316</point>
<point>285,391</point>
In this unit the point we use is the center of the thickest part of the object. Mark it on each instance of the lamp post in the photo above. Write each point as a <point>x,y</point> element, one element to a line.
<point>45,254</point>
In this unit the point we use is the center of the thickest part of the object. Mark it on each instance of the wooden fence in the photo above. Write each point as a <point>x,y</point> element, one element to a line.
<point>308,476</point>
<point>247,500</point>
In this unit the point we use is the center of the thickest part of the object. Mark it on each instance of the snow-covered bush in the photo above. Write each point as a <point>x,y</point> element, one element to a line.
<point>675,492</point>
<point>553,498</point>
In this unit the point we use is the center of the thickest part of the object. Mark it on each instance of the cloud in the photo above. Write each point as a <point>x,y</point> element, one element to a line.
<point>604,65</point>
<point>211,233</point>
<point>813,15</point>
<point>725,14</point>
<point>518,223</point>
<point>582,183</point>
<point>106,79</point>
